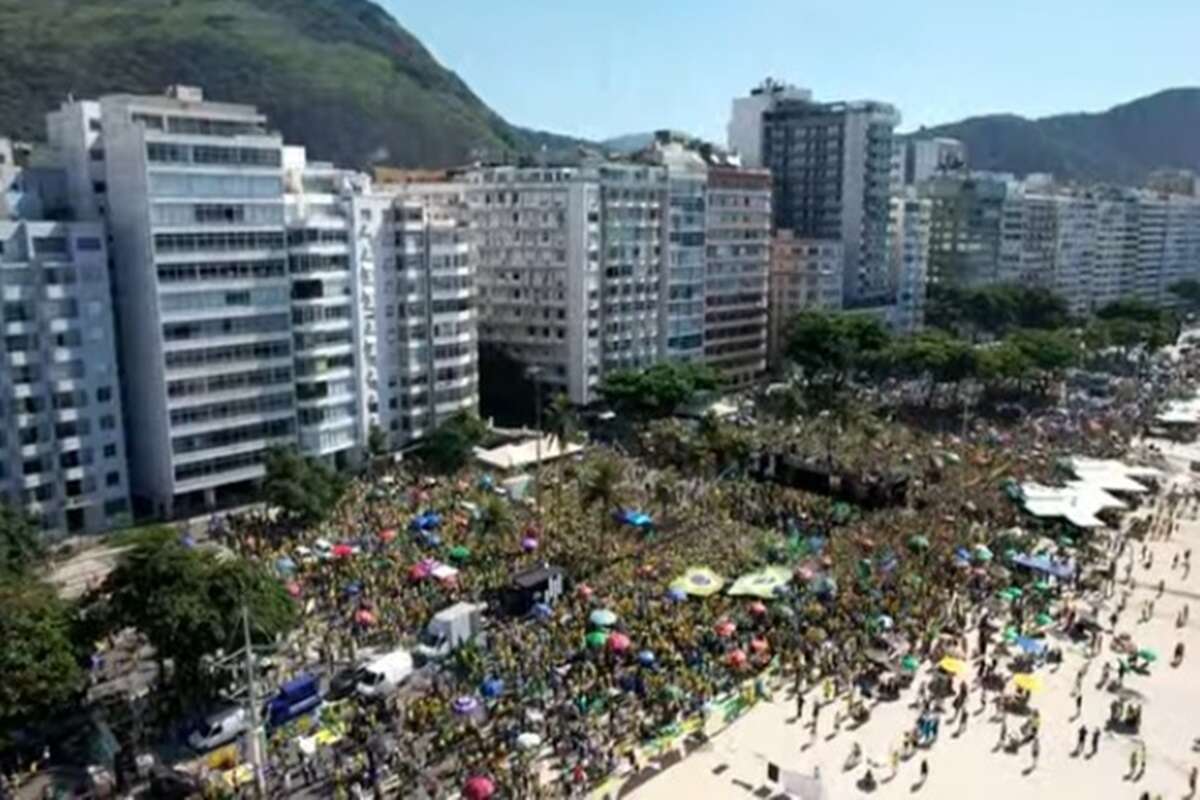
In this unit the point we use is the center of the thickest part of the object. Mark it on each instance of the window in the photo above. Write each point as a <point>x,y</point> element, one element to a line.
<point>99,187</point>
<point>104,394</point>
<point>49,246</point>
<point>112,479</point>
<point>88,244</point>
<point>108,422</point>
<point>110,451</point>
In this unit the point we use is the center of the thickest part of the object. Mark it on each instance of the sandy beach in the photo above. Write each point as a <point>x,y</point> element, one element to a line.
<point>970,764</point>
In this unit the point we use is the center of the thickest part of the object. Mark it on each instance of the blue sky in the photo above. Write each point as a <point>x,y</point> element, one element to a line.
<point>603,69</point>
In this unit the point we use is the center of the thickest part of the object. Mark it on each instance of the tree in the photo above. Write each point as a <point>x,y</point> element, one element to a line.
<point>659,390</point>
<point>994,310</point>
<point>450,446</point>
<point>1050,352</point>
<point>1187,291</point>
<point>1002,362</point>
<point>601,483</point>
<point>187,603</point>
<point>377,442</point>
<point>304,489</point>
<point>561,420</point>
<point>936,355</point>
<point>20,542</point>
<point>830,347</point>
<point>40,659</point>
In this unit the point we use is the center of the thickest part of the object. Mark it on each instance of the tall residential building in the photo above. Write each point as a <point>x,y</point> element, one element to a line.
<point>831,164</point>
<point>1174,181</point>
<point>61,434</point>
<point>916,160</point>
<point>1116,246</point>
<point>737,265</point>
<point>966,229</point>
<point>194,196</point>
<point>909,230</point>
<point>805,274</point>
<point>745,130</point>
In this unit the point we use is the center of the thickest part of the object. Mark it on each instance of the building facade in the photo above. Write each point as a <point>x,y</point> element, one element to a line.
<point>909,230</point>
<point>966,230</point>
<point>805,275</point>
<point>61,432</point>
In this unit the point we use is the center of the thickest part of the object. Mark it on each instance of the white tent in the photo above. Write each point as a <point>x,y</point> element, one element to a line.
<point>1078,502</point>
<point>1112,475</point>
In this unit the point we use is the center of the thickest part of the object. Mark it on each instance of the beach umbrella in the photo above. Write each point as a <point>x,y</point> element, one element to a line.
<point>885,622</point>
<point>492,688</point>
<point>955,666</point>
<point>353,588</point>
<point>758,609</point>
<point>909,663</point>
<point>1028,682</point>
<point>1043,586</point>
<point>619,643</point>
<point>542,611</point>
<point>584,591</point>
<point>1147,655</point>
<point>700,582</point>
<point>465,704</point>
<point>364,617</point>
<point>460,553</point>
<point>529,544</point>
<point>596,639</point>
<point>759,644</point>
<point>737,659</point>
<point>1043,619</point>
<point>725,629</point>
<point>676,594</point>
<point>342,551</point>
<point>479,788</point>
<point>603,618</point>
<point>1010,634</point>
<point>529,741</point>
<point>387,535</point>
<point>285,565</point>
<point>1014,592</point>
<point>646,658</point>
<point>918,543</point>
<point>982,553</point>
<point>293,588</point>
<point>418,572</point>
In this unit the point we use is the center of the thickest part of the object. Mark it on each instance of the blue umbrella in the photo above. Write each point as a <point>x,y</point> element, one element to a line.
<point>1032,646</point>
<point>646,658</point>
<point>603,618</point>
<point>353,588</point>
<point>285,564</point>
<point>465,704</point>
<point>492,687</point>
<point>676,594</point>
<point>431,539</point>
<point>543,611</point>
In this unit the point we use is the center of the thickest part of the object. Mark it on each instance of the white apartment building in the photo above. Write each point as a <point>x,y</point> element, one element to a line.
<point>1116,247</point>
<point>805,275</point>
<point>915,161</point>
<point>194,197</point>
<point>736,272</point>
<point>909,230</point>
<point>62,448</point>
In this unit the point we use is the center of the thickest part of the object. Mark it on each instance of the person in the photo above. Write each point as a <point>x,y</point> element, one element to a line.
<point>1035,750</point>
<point>924,770</point>
<point>1078,705</point>
<point>1192,781</point>
<point>1082,739</point>
<point>799,705</point>
<point>1179,652</point>
<point>1095,740</point>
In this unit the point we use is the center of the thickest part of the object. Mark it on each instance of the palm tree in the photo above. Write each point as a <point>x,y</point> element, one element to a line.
<point>563,424</point>
<point>601,482</point>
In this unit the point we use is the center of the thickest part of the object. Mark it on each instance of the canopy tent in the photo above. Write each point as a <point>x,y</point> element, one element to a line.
<point>763,583</point>
<point>1112,475</point>
<point>1078,502</point>
<point>1063,570</point>
<point>699,582</point>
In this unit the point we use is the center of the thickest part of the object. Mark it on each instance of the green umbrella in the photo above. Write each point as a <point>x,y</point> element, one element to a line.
<point>1043,619</point>
<point>596,639</point>
<point>460,553</point>
<point>1014,592</point>
<point>909,663</point>
<point>982,553</point>
<point>1042,586</point>
<point>1148,655</point>
<point>1010,634</point>
<point>918,543</point>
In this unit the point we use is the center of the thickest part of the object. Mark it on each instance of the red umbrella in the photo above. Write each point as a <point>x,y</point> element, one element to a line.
<point>619,643</point>
<point>737,659</point>
<point>342,551</point>
<point>293,589</point>
<point>757,608</point>
<point>364,617</point>
<point>759,644</point>
<point>479,788</point>
<point>725,629</point>
<point>418,572</point>
<point>585,591</point>
<point>387,535</point>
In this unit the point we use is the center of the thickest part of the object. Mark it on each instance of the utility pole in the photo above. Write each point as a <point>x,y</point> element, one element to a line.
<point>256,732</point>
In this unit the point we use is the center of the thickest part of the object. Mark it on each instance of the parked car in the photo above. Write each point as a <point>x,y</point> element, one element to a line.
<point>219,729</point>
<point>342,684</point>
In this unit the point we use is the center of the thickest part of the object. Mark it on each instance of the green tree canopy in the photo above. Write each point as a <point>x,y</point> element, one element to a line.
<point>187,602</point>
<point>304,489</point>
<point>935,354</point>
<point>449,448</point>
<point>829,347</point>
<point>40,659</point>
<point>1003,362</point>
<point>994,310</point>
<point>1050,352</point>
<point>377,442</point>
<point>21,546</point>
<point>657,390</point>
<point>1188,291</point>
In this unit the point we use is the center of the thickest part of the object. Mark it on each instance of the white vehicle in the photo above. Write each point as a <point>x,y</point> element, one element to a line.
<point>219,729</point>
<point>385,674</point>
<point>450,628</point>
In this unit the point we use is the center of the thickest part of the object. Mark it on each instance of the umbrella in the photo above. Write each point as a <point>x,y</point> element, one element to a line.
<point>955,666</point>
<point>529,741</point>
<point>737,659</point>
<point>1043,619</point>
<point>542,611</point>
<point>699,581</point>
<point>418,572</point>
<point>596,639</point>
<point>285,565</point>
<point>387,535</point>
<point>918,543</point>
<point>364,617</point>
<point>479,788</point>
<point>759,644</point>
<point>982,553</point>
<point>646,658</point>
<point>342,551</point>
<point>603,618</point>
<point>676,594</point>
<point>1043,586</point>
<point>725,629</point>
<point>293,588</point>
<point>885,622</point>
<point>909,663</point>
<point>758,609</point>
<point>585,591</point>
<point>619,643</point>
<point>353,588</point>
<point>1010,634</point>
<point>465,704</point>
<point>460,553</point>
<point>491,688</point>
<point>529,544</point>
<point>1147,655</point>
<point>431,539</point>
<point>1028,682</point>
<point>1030,645</point>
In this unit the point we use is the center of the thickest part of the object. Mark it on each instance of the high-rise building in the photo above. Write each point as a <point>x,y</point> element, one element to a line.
<point>831,164</point>
<point>966,229</point>
<point>805,275</point>
<point>916,160</point>
<point>745,130</point>
<point>62,448</point>
<point>909,227</point>
<point>1174,181</point>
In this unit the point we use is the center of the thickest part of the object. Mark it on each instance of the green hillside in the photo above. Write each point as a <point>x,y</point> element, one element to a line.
<point>1121,145</point>
<point>339,76</point>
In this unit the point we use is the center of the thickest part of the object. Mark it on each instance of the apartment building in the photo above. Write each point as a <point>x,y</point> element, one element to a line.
<point>62,445</point>
<point>909,231</point>
<point>193,194</point>
<point>966,229</point>
<point>831,164</point>
<point>737,267</point>
<point>915,161</point>
<point>805,274</point>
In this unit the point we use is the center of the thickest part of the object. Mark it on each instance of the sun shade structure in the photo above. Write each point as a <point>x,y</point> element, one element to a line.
<point>1112,475</point>
<point>1078,502</point>
<point>699,582</point>
<point>1063,570</point>
<point>763,584</point>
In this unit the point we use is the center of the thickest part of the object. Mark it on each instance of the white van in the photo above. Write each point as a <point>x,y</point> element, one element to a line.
<point>385,674</point>
<point>219,729</point>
